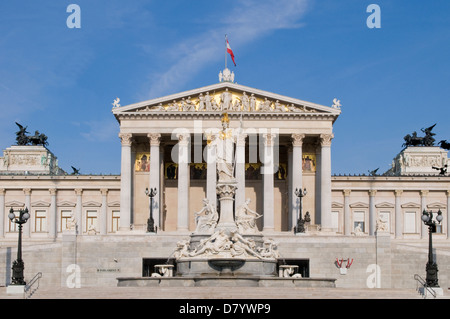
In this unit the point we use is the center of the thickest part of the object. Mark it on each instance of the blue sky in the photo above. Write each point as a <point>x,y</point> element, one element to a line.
<point>391,81</point>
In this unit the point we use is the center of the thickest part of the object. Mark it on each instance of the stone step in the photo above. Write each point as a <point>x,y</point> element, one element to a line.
<point>217,293</point>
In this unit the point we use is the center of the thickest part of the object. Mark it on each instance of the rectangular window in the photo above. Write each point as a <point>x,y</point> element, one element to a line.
<point>335,220</point>
<point>66,216</point>
<point>40,221</point>
<point>410,222</point>
<point>115,220</point>
<point>91,220</point>
<point>359,221</point>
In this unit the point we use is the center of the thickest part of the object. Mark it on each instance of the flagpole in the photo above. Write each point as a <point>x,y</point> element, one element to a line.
<point>225,51</point>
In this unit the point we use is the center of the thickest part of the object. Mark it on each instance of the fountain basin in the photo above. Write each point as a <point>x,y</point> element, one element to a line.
<point>220,265</point>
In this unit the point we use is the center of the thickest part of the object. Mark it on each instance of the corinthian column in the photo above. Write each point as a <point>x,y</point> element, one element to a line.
<point>183,182</point>
<point>296,174</point>
<point>53,217</point>
<point>125,182</point>
<point>211,172</point>
<point>154,181</point>
<point>268,171</point>
<point>325,180</point>
<point>239,197</point>
<point>27,226</point>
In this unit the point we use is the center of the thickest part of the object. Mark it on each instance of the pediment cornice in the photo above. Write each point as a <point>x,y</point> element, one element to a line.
<point>211,101</point>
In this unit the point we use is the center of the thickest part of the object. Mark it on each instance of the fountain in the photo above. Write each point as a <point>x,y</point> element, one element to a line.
<point>226,248</point>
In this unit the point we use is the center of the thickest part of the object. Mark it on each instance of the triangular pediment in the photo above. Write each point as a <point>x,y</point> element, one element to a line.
<point>14,203</point>
<point>67,204</point>
<point>227,97</point>
<point>359,205</point>
<point>40,203</point>
<point>92,204</point>
<point>385,205</point>
<point>436,205</point>
<point>410,205</point>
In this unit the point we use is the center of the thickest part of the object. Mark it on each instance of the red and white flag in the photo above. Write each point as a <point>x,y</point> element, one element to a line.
<point>230,52</point>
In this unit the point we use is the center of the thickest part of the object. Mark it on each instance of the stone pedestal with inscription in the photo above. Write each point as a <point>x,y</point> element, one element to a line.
<point>419,160</point>
<point>29,160</point>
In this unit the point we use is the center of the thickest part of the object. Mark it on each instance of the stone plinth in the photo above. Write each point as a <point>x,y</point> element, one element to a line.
<point>29,160</point>
<point>419,160</point>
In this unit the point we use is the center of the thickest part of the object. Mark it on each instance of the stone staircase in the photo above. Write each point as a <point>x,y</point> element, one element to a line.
<point>217,293</point>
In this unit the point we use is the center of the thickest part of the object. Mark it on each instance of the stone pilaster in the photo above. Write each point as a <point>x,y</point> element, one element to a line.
<point>27,226</point>
<point>104,213</point>
<point>372,212</point>
<point>79,211</point>
<point>53,214</point>
<point>423,206</point>
<point>347,213</point>
<point>398,214</point>
<point>445,217</point>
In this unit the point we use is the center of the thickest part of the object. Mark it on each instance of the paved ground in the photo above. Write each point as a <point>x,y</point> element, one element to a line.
<point>216,293</point>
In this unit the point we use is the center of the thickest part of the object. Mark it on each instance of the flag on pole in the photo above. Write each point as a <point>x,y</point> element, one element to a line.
<point>230,52</point>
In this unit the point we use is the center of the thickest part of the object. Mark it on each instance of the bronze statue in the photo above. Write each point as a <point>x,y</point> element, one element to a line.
<point>445,145</point>
<point>443,170</point>
<point>414,140</point>
<point>36,139</point>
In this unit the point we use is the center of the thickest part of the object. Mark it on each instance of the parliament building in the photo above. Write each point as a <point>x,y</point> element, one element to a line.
<point>368,224</point>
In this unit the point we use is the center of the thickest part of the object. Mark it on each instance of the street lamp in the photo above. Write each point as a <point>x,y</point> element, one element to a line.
<point>150,222</point>
<point>300,227</point>
<point>431,267</point>
<point>18,265</point>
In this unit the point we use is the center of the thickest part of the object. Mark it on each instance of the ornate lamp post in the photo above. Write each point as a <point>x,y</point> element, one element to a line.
<point>18,265</point>
<point>150,222</point>
<point>431,267</point>
<point>300,227</point>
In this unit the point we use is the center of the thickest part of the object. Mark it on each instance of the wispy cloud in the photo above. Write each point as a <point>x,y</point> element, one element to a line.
<point>248,21</point>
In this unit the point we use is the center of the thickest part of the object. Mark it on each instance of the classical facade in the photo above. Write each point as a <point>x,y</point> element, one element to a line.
<point>281,147</point>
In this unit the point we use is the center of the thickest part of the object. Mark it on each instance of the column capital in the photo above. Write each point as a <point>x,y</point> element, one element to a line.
<point>269,138</point>
<point>297,139</point>
<point>78,191</point>
<point>2,191</point>
<point>104,191</point>
<point>183,138</point>
<point>240,139</point>
<point>424,192</point>
<point>448,192</point>
<point>346,192</point>
<point>155,139</point>
<point>325,139</point>
<point>398,192</point>
<point>27,191</point>
<point>52,191</point>
<point>372,192</point>
<point>126,139</point>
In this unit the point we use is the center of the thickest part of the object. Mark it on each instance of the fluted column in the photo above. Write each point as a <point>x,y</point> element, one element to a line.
<point>372,212</point>
<point>53,216</point>
<point>268,175</point>
<point>125,182</point>
<point>296,174</point>
<point>79,211</point>
<point>104,212</point>
<point>398,214</point>
<point>211,171</point>
<point>347,215</point>
<point>423,205</point>
<point>183,182</point>
<point>154,181</point>
<point>27,226</point>
<point>325,181</point>
<point>239,197</point>
<point>2,212</point>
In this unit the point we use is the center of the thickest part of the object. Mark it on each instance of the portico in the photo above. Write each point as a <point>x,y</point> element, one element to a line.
<point>280,144</point>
